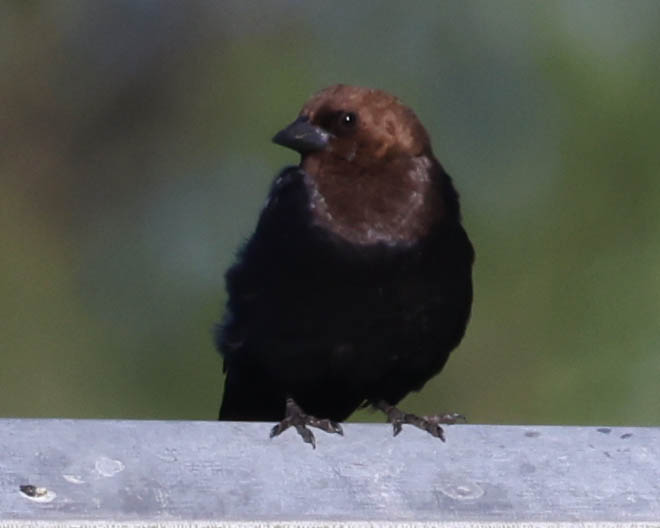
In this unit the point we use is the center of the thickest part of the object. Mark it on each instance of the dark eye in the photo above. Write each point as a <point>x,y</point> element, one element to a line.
<point>348,119</point>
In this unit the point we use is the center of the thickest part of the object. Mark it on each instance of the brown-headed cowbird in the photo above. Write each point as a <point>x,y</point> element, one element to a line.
<point>356,284</point>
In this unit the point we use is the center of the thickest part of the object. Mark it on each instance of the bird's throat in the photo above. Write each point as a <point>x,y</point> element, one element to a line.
<point>393,204</point>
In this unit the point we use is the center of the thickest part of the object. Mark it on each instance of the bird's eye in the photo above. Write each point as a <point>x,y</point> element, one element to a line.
<point>348,119</point>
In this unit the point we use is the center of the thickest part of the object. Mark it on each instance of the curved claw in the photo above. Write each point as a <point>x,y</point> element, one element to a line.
<point>334,427</point>
<point>278,429</point>
<point>436,430</point>
<point>307,435</point>
<point>397,428</point>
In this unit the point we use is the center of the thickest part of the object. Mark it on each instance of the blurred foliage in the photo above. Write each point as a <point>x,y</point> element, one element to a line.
<point>135,156</point>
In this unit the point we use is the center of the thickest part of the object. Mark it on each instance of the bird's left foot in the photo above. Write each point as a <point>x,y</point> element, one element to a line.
<point>297,418</point>
<point>430,424</point>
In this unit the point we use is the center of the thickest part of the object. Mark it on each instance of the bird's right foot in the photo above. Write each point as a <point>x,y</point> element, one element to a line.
<point>430,424</point>
<point>297,418</point>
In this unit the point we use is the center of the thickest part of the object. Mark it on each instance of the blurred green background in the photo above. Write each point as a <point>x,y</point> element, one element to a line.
<point>135,155</point>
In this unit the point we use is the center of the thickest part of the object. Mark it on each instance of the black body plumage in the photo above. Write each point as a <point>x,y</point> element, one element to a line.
<point>335,325</point>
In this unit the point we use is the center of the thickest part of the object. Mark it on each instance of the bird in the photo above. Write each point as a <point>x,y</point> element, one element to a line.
<point>356,283</point>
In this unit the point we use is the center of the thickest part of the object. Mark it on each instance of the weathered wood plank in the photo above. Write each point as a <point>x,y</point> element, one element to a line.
<point>217,474</point>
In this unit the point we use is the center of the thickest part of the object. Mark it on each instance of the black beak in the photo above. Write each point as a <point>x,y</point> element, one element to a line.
<point>302,136</point>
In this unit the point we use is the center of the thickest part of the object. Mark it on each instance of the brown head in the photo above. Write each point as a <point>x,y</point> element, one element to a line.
<point>369,166</point>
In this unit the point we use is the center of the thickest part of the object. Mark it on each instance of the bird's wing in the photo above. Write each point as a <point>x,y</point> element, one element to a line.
<point>264,259</point>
